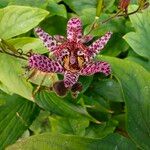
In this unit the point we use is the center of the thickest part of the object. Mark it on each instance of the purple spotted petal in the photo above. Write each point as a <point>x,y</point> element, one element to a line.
<point>48,40</point>
<point>86,38</point>
<point>70,79</point>
<point>95,67</point>
<point>59,38</point>
<point>44,64</point>
<point>74,29</point>
<point>98,45</point>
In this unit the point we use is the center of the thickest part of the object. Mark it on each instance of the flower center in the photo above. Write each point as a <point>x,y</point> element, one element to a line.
<point>73,57</point>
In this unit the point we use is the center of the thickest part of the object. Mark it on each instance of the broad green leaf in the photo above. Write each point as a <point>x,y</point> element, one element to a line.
<point>11,75</point>
<point>5,88</point>
<point>41,123</point>
<point>16,115</point>
<point>49,141</point>
<point>96,103</point>
<point>49,5</point>
<point>139,40</point>
<point>55,25</point>
<point>138,59</point>
<point>86,81</point>
<point>88,16</point>
<point>32,3</point>
<point>4,3</point>
<point>57,9</point>
<point>135,82</point>
<point>51,102</point>
<point>15,20</point>
<point>101,130</point>
<point>28,43</point>
<point>109,89</point>
<point>108,4</point>
<point>78,6</point>
<point>69,125</point>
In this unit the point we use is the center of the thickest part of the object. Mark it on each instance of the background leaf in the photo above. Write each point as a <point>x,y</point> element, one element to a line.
<point>79,6</point>
<point>139,40</point>
<point>15,20</point>
<point>135,81</point>
<point>51,102</point>
<point>16,115</point>
<point>109,89</point>
<point>12,76</point>
<point>56,9</point>
<point>72,126</point>
<point>48,141</point>
<point>28,43</point>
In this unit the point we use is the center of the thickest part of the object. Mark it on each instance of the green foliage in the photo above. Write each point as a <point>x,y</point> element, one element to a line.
<point>12,77</point>
<point>16,20</point>
<point>16,115</point>
<point>51,141</point>
<point>51,102</point>
<point>27,43</point>
<point>109,113</point>
<point>136,89</point>
<point>139,40</point>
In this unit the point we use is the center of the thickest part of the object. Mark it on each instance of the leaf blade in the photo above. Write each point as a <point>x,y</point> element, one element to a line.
<point>135,81</point>
<point>48,141</point>
<point>15,117</point>
<point>16,20</point>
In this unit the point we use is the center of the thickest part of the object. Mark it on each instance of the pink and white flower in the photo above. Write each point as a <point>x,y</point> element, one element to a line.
<point>72,57</point>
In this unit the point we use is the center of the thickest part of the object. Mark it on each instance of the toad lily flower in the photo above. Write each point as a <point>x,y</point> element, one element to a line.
<point>72,57</point>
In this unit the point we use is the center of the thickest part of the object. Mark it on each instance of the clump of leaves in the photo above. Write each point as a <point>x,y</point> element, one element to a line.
<point>41,109</point>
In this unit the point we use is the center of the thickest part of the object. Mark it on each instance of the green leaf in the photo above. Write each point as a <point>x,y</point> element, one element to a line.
<point>101,130</point>
<point>108,4</point>
<point>51,102</point>
<point>57,9</point>
<point>49,141</point>
<point>16,115</point>
<point>109,89</point>
<point>55,25</point>
<point>96,103</point>
<point>28,43</point>
<point>88,16</point>
<point>32,3</point>
<point>78,6</point>
<point>5,88</point>
<point>69,126</point>
<point>16,20</point>
<point>11,75</point>
<point>86,81</point>
<point>4,3</point>
<point>138,59</point>
<point>41,123</point>
<point>135,81</point>
<point>139,40</point>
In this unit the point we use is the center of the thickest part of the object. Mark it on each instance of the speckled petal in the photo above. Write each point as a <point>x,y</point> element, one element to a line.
<point>59,38</point>
<point>95,67</point>
<point>48,40</point>
<point>45,64</point>
<point>86,38</point>
<point>74,29</point>
<point>70,79</point>
<point>98,45</point>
